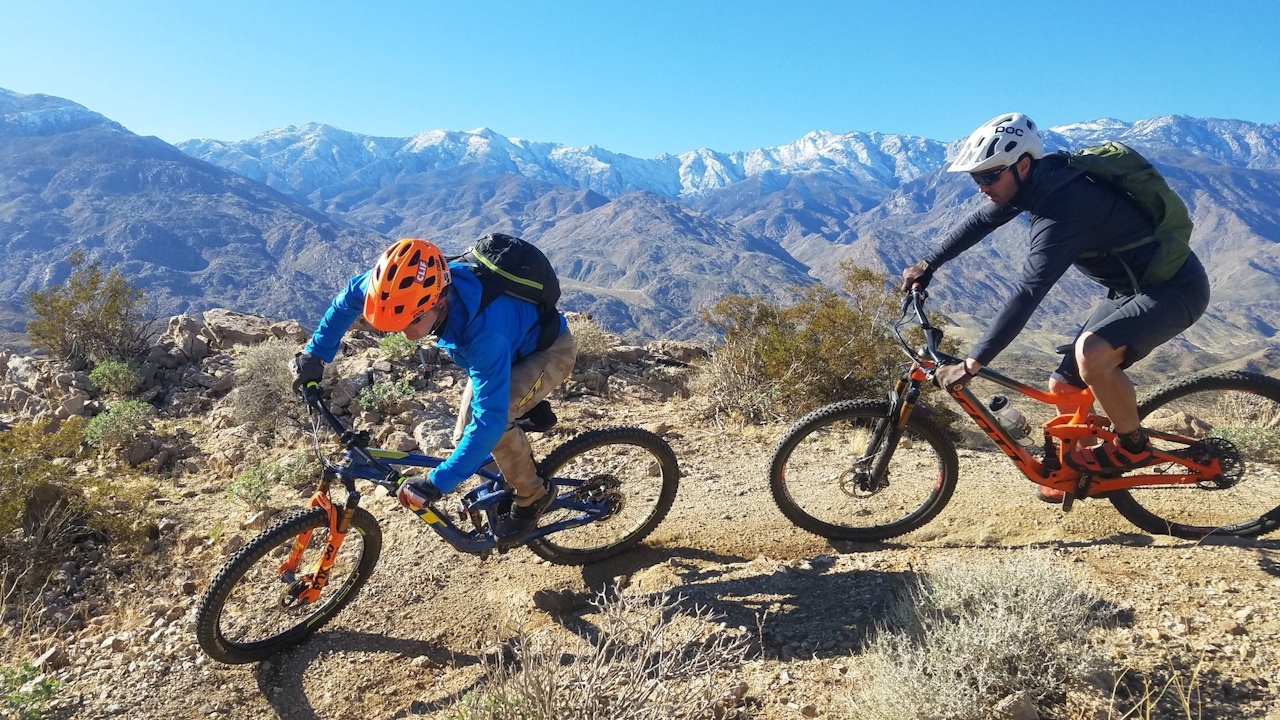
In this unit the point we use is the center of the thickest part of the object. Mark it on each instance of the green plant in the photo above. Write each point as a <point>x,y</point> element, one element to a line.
<point>123,422</point>
<point>117,376</point>
<point>397,348</point>
<point>968,636</point>
<point>782,360</point>
<point>28,453</point>
<point>264,395</point>
<point>593,341</point>
<point>26,691</point>
<point>90,317</point>
<point>384,397</point>
<point>253,486</point>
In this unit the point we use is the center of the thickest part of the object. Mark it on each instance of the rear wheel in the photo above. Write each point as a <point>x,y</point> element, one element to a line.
<point>821,480</point>
<point>249,613</point>
<point>632,471</point>
<point>1235,416</point>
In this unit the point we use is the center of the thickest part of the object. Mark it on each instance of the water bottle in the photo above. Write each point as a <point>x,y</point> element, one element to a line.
<point>1012,419</point>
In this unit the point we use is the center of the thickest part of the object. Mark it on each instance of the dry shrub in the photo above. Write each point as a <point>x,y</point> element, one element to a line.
<point>264,395</point>
<point>91,317</point>
<point>648,659</point>
<point>778,361</point>
<point>33,455</point>
<point>969,636</point>
<point>594,342</point>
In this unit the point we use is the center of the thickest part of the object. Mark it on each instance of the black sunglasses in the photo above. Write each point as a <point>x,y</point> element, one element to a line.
<point>988,177</point>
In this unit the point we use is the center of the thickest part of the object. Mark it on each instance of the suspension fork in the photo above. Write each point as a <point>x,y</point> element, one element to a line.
<point>888,430</point>
<point>339,523</point>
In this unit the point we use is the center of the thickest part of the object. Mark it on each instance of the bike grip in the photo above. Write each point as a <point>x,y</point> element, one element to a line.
<point>311,392</point>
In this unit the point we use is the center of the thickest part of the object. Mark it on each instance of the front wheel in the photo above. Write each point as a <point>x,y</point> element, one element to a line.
<point>633,471</point>
<point>1235,417</point>
<point>820,474</point>
<point>249,613</point>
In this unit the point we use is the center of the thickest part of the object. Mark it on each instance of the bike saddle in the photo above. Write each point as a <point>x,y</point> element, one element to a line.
<point>540,418</point>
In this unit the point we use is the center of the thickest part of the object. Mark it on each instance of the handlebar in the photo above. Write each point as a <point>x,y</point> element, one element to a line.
<point>356,442</point>
<point>914,302</point>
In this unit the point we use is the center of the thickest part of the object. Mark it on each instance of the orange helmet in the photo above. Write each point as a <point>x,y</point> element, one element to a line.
<point>408,281</point>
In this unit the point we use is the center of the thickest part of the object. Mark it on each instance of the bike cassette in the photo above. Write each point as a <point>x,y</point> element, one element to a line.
<point>1229,460</point>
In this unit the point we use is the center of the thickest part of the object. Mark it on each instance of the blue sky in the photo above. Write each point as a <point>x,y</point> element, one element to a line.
<point>641,77</point>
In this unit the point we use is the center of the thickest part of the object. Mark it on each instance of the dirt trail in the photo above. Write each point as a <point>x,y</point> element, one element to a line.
<point>409,642</point>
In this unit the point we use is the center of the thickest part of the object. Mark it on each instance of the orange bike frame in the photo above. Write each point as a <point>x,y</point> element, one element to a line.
<point>1068,430</point>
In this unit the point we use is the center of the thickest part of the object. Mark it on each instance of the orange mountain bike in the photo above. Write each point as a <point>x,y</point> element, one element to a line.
<point>874,469</point>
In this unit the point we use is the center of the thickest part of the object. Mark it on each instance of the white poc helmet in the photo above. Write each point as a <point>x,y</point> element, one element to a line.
<point>999,142</point>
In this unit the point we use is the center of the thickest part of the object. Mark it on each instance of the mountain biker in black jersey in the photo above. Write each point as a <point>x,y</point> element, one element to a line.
<point>1073,221</point>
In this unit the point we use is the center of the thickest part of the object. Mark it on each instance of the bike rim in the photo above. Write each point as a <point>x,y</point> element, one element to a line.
<point>1242,428</point>
<point>627,478</point>
<point>252,613</point>
<point>826,476</point>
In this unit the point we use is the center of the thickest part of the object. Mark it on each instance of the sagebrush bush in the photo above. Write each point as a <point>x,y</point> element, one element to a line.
<point>264,395</point>
<point>117,376</point>
<point>648,659</point>
<point>383,397</point>
<point>91,317</point>
<point>397,348</point>
<point>122,423</point>
<point>970,635</point>
<point>253,486</point>
<point>780,361</point>
<point>593,341</point>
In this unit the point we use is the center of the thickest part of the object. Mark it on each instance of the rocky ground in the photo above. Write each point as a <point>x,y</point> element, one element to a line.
<point>412,641</point>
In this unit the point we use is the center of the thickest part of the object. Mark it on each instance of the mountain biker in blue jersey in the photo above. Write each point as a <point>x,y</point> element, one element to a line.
<point>413,290</point>
<point>1074,221</point>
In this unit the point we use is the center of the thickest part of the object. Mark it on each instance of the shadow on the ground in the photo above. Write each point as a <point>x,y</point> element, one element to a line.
<point>281,679</point>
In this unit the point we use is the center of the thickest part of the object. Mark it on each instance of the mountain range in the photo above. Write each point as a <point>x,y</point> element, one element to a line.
<point>272,223</point>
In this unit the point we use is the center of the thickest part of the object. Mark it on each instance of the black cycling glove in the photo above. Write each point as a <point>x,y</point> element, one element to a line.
<point>305,368</point>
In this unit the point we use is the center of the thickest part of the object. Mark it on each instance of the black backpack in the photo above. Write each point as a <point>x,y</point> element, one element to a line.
<point>507,265</point>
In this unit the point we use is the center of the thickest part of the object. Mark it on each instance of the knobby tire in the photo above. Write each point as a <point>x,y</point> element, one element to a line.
<point>270,547</point>
<point>813,462</point>
<point>1250,417</point>
<point>646,473</point>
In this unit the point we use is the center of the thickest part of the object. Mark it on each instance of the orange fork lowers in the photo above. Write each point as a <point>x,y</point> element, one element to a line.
<point>316,580</point>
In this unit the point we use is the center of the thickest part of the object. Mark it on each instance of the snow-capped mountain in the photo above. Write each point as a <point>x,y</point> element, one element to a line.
<point>33,115</point>
<point>1230,142</point>
<point>305,159</point>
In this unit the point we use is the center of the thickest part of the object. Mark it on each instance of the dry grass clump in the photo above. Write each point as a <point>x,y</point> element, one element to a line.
<point>648,659</point>
<point>263,396</point>
<point>970,637</point>
<point>594,342</point>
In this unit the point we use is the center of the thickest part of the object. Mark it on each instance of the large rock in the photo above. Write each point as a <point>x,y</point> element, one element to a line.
<point>226,329</point>
<point>682,351</point>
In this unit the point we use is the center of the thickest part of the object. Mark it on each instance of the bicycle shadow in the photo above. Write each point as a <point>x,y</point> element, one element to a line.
<point>280,680</point>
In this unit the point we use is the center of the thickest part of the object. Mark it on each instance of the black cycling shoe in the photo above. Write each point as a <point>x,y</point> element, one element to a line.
<point>519,522</point>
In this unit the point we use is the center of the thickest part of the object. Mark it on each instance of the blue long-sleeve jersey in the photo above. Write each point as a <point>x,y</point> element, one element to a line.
<point>485,346</point>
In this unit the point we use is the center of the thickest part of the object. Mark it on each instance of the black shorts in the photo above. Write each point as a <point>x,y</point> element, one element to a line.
<point>1141,323</point>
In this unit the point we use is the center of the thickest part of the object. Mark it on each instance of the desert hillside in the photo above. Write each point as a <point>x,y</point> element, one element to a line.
<point>110,622</point>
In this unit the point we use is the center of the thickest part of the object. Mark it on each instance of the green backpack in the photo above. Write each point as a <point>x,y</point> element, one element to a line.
<point>1119,166</point>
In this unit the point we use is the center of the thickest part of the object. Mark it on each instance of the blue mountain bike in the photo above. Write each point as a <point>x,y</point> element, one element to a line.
<point>612,486</point>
